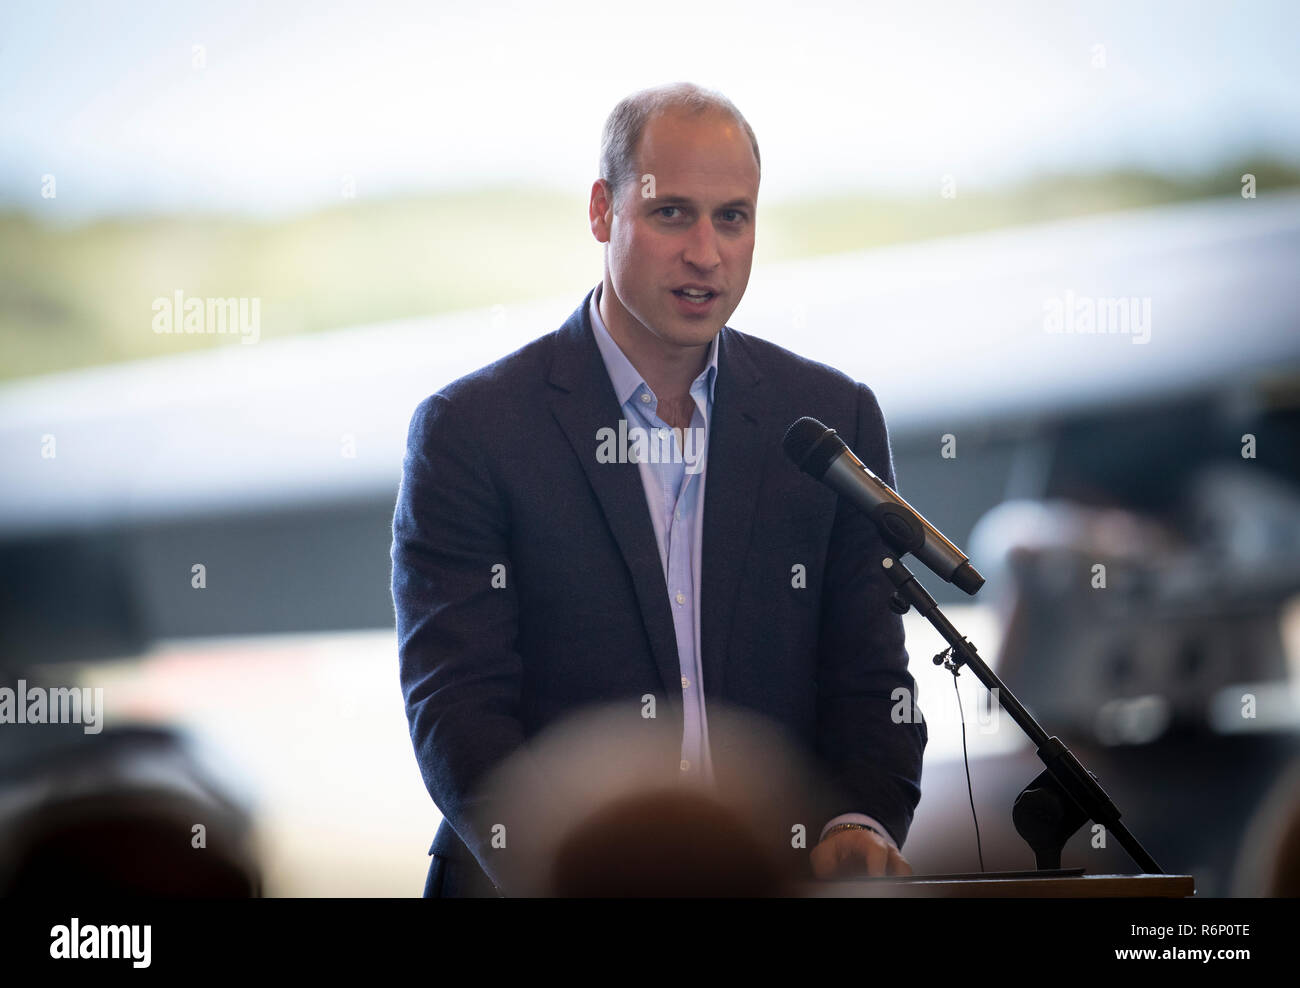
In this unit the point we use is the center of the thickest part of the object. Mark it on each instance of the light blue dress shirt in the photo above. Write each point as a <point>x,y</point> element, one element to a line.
<point>674,491</point>
<point>673,475</point>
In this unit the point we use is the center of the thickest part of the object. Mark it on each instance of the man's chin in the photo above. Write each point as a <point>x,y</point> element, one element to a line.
<point>696,339</point>
<point>693,332</point>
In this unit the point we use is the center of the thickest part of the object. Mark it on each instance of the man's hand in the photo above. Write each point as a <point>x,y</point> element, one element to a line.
<point>849,853</point>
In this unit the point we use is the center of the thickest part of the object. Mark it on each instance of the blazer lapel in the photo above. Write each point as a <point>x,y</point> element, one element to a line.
<point>733,476</point>
<point>583,402</point>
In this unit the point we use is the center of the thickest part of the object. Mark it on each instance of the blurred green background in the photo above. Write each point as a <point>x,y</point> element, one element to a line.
<point>81,295</point>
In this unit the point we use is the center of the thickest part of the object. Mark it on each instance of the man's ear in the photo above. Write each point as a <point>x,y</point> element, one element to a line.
<point>601,210</point>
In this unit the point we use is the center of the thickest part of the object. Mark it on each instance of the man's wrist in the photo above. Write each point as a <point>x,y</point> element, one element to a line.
<point>849,826</point>
<point>862,820</point>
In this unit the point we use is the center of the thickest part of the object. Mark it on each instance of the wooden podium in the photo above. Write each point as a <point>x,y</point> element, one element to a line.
<point>1006,885</point>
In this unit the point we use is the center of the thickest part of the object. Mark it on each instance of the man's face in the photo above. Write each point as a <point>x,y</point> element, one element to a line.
<point>697,230</point>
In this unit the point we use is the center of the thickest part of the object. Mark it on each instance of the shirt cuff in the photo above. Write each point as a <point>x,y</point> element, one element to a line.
<point>860,818</point>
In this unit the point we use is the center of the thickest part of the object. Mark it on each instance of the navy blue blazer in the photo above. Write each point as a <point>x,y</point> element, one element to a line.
<point>501,469</point>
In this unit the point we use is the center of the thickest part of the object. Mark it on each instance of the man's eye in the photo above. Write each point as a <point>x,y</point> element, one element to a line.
<point>663,208</point>
<point>737,213</point>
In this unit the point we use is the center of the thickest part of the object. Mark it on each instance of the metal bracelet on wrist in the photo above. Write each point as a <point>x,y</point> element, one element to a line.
<point>852,826</point>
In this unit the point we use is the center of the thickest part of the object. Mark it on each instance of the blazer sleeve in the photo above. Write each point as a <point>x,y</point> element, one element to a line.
<point>862,664</point>
<point>457,618</point>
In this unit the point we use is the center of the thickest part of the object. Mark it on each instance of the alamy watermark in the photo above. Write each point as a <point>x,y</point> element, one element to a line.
<point>54,705</point>
<point>1089,315</point>
<point>102,942</point>
<point>634,444</point>
<point>232,316</point>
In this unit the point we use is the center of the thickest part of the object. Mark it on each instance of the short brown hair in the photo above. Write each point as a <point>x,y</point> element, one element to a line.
<point>627,122</point>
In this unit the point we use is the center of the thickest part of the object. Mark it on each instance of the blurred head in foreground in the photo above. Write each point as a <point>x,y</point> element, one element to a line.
<point>137,814</point>
<point>665,843</point>
<point>599,805</point>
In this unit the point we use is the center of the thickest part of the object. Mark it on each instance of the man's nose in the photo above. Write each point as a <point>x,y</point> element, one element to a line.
<point>702,247</point>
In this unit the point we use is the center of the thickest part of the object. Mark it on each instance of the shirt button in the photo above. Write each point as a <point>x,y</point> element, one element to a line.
<point>681,598</point>
<point>645,397</point>
<point>685,683</point>
<point>686,766</point>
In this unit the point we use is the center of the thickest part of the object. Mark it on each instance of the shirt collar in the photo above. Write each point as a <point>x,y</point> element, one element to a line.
<point>627,380</point>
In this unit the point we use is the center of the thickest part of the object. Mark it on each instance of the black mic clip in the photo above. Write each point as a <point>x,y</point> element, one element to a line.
<point>898,528</point>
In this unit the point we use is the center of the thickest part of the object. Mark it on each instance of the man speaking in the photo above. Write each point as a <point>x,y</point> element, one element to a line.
<point>606,516</point>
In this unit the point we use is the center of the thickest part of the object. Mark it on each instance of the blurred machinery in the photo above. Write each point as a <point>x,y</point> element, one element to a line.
<point>128,812</point>
<point>1151,619</point>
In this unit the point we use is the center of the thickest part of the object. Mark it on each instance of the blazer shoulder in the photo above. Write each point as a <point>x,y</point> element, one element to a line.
<point>801,386</point>
<point>506,376</point>
<point>777,362</point>
<point>491,393</point>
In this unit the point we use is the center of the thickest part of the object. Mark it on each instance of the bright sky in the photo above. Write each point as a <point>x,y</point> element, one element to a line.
<point>291,99</point>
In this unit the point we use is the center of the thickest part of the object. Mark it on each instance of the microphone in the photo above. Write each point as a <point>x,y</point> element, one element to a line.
<point>822,454</point>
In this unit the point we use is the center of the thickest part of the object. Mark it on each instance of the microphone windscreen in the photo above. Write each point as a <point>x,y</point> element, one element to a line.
<point>812,446</point>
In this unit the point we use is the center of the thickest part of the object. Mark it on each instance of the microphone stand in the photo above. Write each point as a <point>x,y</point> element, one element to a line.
<point>1065,795</point>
